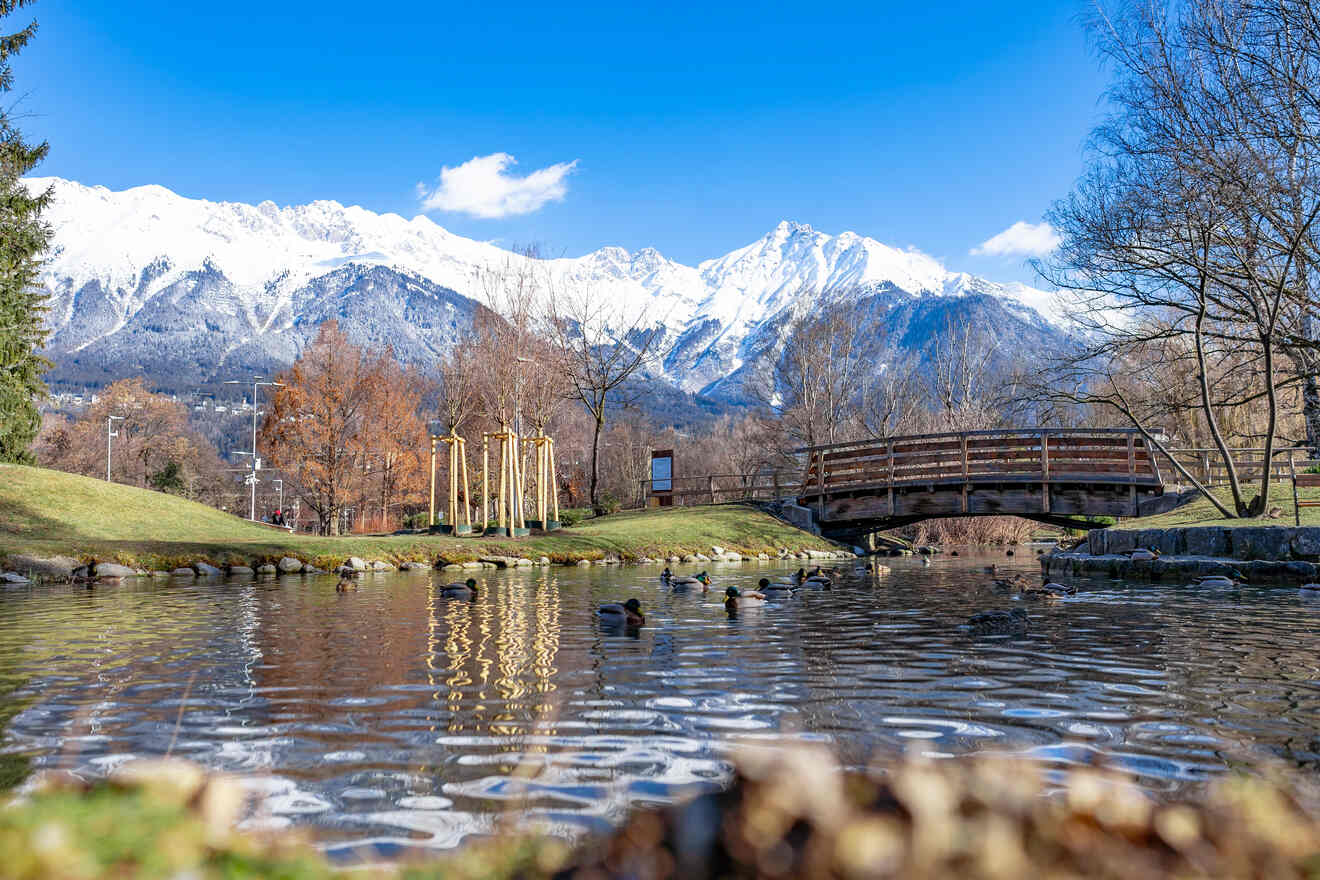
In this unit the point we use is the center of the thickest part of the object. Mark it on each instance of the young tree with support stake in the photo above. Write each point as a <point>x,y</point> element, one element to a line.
<point>23,240</point>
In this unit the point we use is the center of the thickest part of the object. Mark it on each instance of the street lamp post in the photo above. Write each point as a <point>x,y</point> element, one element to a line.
<point>109,434</point>
<point>433,427</point>
<point>256,462</point>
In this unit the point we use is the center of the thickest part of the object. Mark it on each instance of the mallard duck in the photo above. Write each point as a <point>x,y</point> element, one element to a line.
<point>666,575</point>
<point>774,590</point>
<point>689,581</point>
<point>735,599</point>
<point>1016,582</point>
<point>1220,580</point>
<point>465,591</point>
<point>816,580</point>
<point>346,585</point>
<point>1013,621</point>
<point>925,561</point>
<point>1047,591</point>
<point>622,613</point>
<point>990,569</point>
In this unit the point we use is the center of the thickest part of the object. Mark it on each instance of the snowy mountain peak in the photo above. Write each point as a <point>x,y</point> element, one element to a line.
<point>126,264</point>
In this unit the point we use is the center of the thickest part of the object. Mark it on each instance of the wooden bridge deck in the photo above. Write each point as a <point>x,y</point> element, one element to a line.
<point>1052,475</point>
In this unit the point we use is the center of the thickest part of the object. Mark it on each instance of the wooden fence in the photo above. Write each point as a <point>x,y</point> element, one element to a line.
<point>716,488</point>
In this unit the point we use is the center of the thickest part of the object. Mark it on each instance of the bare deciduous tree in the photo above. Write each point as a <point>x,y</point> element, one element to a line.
<point>601,344</point>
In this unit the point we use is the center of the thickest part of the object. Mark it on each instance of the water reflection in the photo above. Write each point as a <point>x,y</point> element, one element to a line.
<point>390,717</point>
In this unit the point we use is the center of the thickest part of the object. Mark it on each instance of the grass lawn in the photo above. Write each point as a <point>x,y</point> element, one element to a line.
<point>45,512</point>
<point>1202,513</point>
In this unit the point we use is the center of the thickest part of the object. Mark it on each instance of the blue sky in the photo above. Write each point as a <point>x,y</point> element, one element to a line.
<point>693,128</point>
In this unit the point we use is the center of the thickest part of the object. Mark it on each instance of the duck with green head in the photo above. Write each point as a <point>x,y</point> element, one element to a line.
<point>622,613</point>
<point>465,591</point>
<point>682,584</point>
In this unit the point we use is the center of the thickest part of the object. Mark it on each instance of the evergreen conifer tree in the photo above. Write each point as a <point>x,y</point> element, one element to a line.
<point>23,240</point>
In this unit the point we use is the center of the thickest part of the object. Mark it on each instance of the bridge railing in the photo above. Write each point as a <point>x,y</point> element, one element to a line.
<point>1039,455</point>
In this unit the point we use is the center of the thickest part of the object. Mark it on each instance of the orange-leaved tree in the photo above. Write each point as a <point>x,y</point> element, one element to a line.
<point>314,424</point>
<point>393,438</point>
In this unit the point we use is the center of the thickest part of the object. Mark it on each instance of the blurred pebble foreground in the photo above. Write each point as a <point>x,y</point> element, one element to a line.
<point>785,814</point>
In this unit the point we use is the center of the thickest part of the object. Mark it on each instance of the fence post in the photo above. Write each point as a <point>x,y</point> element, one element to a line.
<point>1205,469</point>
<point>1045,470</point>
<point>891,477</point>
<point>775,477</point>
<point>1132,473</point>
<point>965,475</point>
<point>710,485</point>
<point>820,485</point>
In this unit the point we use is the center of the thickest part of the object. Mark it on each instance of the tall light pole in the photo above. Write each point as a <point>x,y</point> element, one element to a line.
<point>109,434</point>
<point>256,462</point>
<point>433,427</point>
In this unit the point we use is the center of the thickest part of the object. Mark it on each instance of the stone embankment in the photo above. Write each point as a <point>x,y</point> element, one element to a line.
<point>1260,553</point>
<point>23,569</point>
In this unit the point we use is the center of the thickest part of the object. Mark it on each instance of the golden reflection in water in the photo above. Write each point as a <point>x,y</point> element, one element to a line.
<point>458,650</point>
<point>499,656</point>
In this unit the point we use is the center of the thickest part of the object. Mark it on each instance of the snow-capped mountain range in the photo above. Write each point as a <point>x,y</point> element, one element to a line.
<point>145,281</point>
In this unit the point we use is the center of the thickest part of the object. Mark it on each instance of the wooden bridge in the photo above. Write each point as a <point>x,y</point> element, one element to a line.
<point>1052,475</point>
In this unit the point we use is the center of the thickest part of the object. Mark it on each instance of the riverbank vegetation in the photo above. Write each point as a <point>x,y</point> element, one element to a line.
<point>47,512</point>
<point>783,815</point>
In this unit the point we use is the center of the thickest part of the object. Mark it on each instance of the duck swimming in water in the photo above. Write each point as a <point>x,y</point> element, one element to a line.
<point>465,591</point>
<point>666,575</point>
<point>346,585</point>
<point>774,591</point>
<point>816,580</point>
<point>622,613</point>
<point>1220,580</point>
<point>688,582</point>
<point>735,599</point>
<point>1016,582</point>
<point>995,622</point>
<point>1048,591</point>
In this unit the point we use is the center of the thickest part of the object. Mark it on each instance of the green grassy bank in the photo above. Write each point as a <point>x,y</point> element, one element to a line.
<point>45,512</point>
<point>1202,513</point>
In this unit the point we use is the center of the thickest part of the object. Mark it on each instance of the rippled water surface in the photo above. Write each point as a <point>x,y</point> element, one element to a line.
<point>391,718</point>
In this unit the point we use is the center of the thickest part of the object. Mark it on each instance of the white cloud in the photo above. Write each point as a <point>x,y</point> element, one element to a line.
<point>1034,239</point>
<point>481,187</point>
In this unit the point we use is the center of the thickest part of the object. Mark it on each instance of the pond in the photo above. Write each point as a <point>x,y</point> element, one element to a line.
<point>390,719</point>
